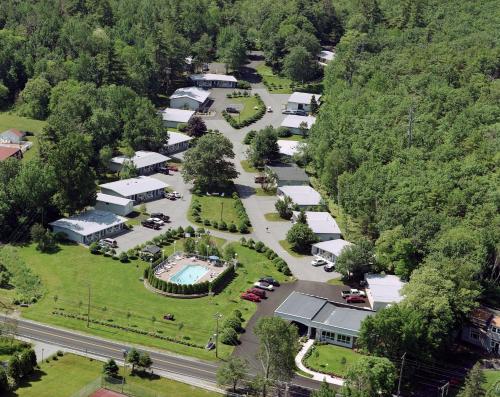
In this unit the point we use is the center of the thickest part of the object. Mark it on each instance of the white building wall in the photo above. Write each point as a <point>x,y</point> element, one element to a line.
<point>184,103</point>
<point>328,236</point>
<point>70,235</point>
<point>298,106</point>
<point>117,209</point>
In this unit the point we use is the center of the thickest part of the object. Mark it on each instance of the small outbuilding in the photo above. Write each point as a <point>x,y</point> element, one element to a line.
<point>301,101</point>
<point>383,290</point>
<point>89,226</point>
<point>321,223</point>
<point>325,321</point>
<point>177,142</point>
<point>325,57</point>
<point>212,80</point>
<point>145,162</point>
<point>287,175</point>
<point>330,249</point>
<point>140,189</point>
<point>189,98</point>
<point>298,124</point>
<point>173,117</point>
<point>116,205</point>
<point>302,196</point>
<point>12,135</point>
<point>151,252</point>
<point>7,152</point>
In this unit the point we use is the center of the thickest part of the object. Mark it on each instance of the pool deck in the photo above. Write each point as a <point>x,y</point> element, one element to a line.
<point>179,264</point>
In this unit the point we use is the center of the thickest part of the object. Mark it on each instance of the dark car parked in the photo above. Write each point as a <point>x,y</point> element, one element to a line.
<point>150,225</point>
<point>231,109</point>
<point>250,297</point>
<point>160,215</point>
<point>270,280</point>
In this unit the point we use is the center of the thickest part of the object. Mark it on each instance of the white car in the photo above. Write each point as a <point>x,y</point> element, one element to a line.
<point>158,221</point>
<point>176,194</point>
<point>264,285</point>
<point>269,109</point>
<point>318,262</point>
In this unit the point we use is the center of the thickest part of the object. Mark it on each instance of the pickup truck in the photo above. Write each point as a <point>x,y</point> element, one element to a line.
<point>353,292</point>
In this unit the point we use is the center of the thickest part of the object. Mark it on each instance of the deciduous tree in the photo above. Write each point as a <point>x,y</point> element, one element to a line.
<point>232,371</point>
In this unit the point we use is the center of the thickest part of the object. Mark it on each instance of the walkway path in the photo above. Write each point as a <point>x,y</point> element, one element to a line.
<point>315,375</point>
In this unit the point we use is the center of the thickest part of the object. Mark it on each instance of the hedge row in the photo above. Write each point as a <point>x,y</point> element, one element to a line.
<point>259,246</point>
<point>222,279</point>
<point>238,94</point>
<point>128,329</point>
<point>243,123</point>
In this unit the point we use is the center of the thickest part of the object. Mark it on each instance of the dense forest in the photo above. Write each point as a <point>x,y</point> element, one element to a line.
<point>407,143</point>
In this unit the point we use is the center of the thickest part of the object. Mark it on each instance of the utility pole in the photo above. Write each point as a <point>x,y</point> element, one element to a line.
<point>401,374</point>
<point>217,317</point>
<point>88,309</point>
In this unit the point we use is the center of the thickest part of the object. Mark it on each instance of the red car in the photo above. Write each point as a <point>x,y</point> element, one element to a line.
<point>355,299</point>
<point>260,293</point>
<point>250,297</point>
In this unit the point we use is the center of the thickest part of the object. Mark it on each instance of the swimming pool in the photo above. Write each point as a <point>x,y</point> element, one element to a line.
<point>190,274</point>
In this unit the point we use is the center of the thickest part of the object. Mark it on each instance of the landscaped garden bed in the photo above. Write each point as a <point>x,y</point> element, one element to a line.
<point>330,359</point>
<point>253,109</point>
<point>222,213</point>
<point>283,85</point>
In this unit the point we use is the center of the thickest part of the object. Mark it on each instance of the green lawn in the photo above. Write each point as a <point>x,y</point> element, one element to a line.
<point>77,372</point>
<point>274,217</point>
<point>276,84</point>
<point>294,137</point>
<point>288,248</point>
<point>212,207</point>
<point>116,291</point>
<point>335,281</point>
<point>246,105</point>
<point>247,167</point>
<point>492,377</point>
<point>261,192</point>
<point>329,358</point>
<point>8,120</point>
<point>8,346</point>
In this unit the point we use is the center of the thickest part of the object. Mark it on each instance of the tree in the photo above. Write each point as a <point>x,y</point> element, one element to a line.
<point>324,391</point>
<point>301,237</point>
<point>145,361</point>
<point>35,98</point>
<point>232,371</point>
<point>228,336</point>
<point>44,239</point>
<point>133,357</point>
<point>355,260</point>
<point>314,105</point>
<point>196,127</point>
<point>128,170</point>
<point>4,95</point>
<point>302,217</point>
<point>299,65</point>
<point>202,50</point>
<point>264,147</point>
<point>474,382</point>
<point>74,177</point>
<point>278,346</point>
<point>110,368</point>
<point>231,47</point>
<point>370,377</point>
<point>4,276</point>
<point>284,207</point>
<point>4,382</point>
<point>14,369</point>
<point>207,163</point>
<point>26,362</point>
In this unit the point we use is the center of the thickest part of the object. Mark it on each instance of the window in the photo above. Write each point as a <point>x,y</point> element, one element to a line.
<point>343,339</point>
<point>495,329</point>
<point>328,335</point>
<point>474,335</point>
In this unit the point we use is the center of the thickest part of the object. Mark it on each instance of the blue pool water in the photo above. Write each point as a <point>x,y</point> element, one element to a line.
<point>190,274</point>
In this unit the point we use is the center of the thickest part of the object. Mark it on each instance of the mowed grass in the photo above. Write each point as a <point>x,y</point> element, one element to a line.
<point>212,207</point>
<point>246,105</point>
<point>492,376</point>
<point>8,120</point>
<point>247,167</point>
<point>274,217</point>
<point>116,290</point>
<point>288,248</point>
<point>329,359</point>
<point>262,192</point>
<point>275,84</point>
<point>71,373</point>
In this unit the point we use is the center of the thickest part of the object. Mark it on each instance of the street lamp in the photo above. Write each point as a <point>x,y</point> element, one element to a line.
<point>217,316</point>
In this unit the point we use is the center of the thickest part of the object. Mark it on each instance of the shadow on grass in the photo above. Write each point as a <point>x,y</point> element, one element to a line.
<point>27,383</point>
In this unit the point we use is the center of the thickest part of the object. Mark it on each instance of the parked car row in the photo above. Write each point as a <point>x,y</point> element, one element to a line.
<point>258,291</point>
<point>295,112</point>
<point>173,196</point>
<point>354,296</point>
<point>327,266</point>
<point>156,221</point>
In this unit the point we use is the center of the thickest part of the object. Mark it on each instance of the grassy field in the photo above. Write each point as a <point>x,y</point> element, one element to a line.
<point>276,84</point>
<point>213,206</point>
<point>8,120</point>
<point>331,359</point>
<point>274,217</point>
<point>288,248</point>
<point>246,105</point>
<point>247,167</point>
<point>492,376</point>
<point>78,372</point>
<point>261,192</point>
<point>116,290</point>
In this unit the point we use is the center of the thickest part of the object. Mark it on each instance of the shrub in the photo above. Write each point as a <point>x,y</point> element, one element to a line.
<point>200,230</point>
<point>232,322</point>
<point>180,230</point>
<point>228,336</point>
<point>215,224</point>
<point>243,241</point>
<point>207,222</point>
<point>223,225</point>
<point>243,85</point>
<point>250,243</point>
<point>123,257</point>
<point>232,228</point>
<point>259,246</point>
<point>284,132</point>
<point>243,228</point>
<point>94,248</point>
<point>237,313</point>
<point>190,230</point>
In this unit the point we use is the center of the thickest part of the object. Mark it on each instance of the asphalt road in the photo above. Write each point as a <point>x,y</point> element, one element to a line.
<point>162,361</point>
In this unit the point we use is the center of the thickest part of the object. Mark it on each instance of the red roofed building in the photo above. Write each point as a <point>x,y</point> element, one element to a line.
<point>8,151</point>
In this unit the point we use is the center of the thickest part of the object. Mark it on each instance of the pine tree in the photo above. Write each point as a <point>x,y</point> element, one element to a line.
<point>474,381</point>
<point>314,105</point>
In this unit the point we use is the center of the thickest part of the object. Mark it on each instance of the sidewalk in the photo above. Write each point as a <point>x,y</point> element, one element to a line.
<point>315,375</point>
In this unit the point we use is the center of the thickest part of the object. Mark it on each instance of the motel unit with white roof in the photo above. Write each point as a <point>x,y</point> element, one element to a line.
<point>117,205</point>
<point>189,98</point>
<point>301,101</point>
<point>145,162</point>
<point>295,123</point>
<point>89,226</point>
<point>209,80</point>
<point>173,117</point>
<point>140,189</point>
<point>321,223</point>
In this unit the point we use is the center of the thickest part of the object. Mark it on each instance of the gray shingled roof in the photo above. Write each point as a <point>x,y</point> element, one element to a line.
<point>301,305</point>
<point>288,172</point>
